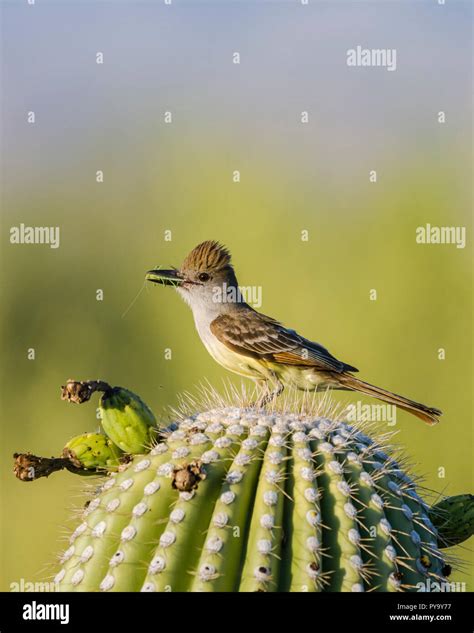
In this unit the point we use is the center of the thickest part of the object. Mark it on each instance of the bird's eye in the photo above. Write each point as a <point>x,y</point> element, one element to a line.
<point>203,277</point>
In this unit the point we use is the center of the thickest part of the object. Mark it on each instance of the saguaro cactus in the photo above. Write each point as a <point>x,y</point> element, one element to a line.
<point>239,499</point>
<point>236,499</point>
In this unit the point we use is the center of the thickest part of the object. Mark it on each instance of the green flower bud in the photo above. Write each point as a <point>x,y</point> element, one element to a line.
<point>453,517</point>
<point>92,452</point>
<point>127,420</point>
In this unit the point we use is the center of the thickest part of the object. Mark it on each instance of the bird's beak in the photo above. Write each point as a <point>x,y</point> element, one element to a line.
<point>165,277</point>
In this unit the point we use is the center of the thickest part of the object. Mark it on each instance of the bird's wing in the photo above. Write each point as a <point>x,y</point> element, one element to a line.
<point>253,334</point>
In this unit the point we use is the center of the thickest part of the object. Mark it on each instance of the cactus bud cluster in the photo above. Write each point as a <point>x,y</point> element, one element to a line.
<point>128,425</point>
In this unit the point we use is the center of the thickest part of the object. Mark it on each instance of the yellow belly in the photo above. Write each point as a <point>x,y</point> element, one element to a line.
<point>290,375</point>
<point>239,364</point>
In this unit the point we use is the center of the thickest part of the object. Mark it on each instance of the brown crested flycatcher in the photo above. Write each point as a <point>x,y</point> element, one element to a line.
<point>257,346</point>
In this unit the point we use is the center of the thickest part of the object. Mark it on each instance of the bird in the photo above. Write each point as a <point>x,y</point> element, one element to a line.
<point>257,346</point>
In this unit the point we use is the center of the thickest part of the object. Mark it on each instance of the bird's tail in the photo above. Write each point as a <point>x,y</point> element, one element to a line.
<point>429,415</point>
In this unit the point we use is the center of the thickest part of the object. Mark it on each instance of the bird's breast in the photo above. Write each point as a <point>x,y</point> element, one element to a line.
<point>238,363</point>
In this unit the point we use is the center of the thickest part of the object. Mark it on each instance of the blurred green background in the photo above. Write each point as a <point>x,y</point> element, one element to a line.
<point>178,177</point>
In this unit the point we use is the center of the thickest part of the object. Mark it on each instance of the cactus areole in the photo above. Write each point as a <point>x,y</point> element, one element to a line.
<point>236,499</point>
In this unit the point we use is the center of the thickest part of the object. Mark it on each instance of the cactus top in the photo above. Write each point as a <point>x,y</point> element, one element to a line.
<point>239,499</point>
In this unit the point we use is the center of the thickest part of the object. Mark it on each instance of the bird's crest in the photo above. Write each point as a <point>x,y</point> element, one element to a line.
<point>209,255</point>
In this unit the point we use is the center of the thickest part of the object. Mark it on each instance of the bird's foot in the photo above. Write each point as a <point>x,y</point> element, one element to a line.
<point>269,396</point>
